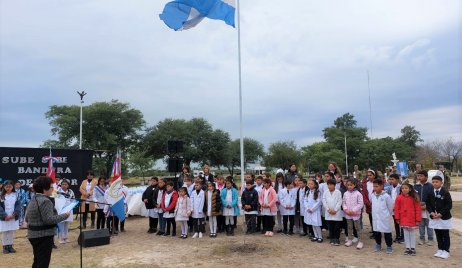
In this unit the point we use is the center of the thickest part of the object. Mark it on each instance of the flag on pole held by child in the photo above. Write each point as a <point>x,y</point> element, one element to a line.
<point>115,196</point>
<point>185,14</point>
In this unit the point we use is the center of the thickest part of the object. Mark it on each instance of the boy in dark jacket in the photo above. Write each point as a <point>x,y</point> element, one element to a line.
<point>423,189</point>
<point>439,205</point>
<point>148,200</point>
<point>249,201</point>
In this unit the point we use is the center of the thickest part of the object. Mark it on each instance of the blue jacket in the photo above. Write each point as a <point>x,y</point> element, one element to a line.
<point>233,203</point>
<point>423,191</point>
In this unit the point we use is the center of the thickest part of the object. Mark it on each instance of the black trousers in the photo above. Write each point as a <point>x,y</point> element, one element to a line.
<point>259,222</point>
<point>268,223</point>
<point>443,239</point>
<point>109,223</point>
<point>153,223</point>
<point>290,219</point>
<point>398,230</point>
<point>324,223</point>
<point>42,248</point>
<point>251,221</point>
<point>370,221</point>
<point>304,225</point>
<point>85,215</point>
<point>198,225</point>
<point>220,223</point>
<point>334,229</point>
<point>171,222</point>
<point>388,238</point>
<point>122,225</point>
<point>100,218</point>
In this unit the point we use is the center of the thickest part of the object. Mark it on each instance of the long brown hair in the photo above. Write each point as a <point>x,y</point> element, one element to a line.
<point>412,192</point>
<point>316,190</point>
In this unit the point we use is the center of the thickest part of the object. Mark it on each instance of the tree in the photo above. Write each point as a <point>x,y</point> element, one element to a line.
<point>317,155</point>
<point>201,143</point>
<point>450,150</point>
<point>377,153</point>
<point>106,126</point>
<point>253,150</point>
<point>139,163</point>
<point>355,136</point>
<point>427,154</point>
<point>410,136</point>
<point>281,154</point>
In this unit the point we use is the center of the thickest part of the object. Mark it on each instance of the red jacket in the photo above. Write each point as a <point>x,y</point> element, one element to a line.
<point>172,205</point>
<point>407,211</point>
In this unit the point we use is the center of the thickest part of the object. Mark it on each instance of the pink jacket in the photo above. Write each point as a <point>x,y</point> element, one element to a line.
<point>353,200</point>
<point>272,198</point>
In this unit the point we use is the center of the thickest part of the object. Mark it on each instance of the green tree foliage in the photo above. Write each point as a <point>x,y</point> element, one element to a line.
<point>317,155</point>
<point>355,136</point>
<point>253,150</point>
<point>281,154</point>
<point>139,163</point>
<point>201,143</point>
<point>377,153</point>
<point>410,136</point>
<point>106,126</point>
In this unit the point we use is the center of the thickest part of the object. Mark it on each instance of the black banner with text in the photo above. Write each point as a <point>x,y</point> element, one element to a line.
<point>26,164</point>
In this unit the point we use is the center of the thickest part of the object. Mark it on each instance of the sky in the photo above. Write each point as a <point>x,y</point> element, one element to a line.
<point>304,63</point>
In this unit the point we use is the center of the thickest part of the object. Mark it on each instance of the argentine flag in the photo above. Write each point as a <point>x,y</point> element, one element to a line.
<point>115,195</point>
<point>185,14</point>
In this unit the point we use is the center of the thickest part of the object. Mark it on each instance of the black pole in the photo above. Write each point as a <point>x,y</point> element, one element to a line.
<point>80,234</point>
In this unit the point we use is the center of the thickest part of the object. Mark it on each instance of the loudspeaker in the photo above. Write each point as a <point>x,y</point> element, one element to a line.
<point>94,238</point>
<point>175,165</point>
<point>174,147</point>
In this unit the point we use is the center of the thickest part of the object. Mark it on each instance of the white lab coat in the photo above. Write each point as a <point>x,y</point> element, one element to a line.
<point>313,218</point>
<point>382,211</point>
<point>287,198</point>
<point>301,197</point>
<point>197,204</point>
<point>332,200</point>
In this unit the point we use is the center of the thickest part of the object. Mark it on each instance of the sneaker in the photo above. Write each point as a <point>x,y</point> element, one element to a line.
<point>443,255</point>
<point>291,233</point>
<point>377,248</point>
<point>200,235</point>
<point>413,252</point>
<point>422,242</point>
<point>360,245</point>
<point>279,231</point>
<point>438,253</point>
<point>270,234</point>
<point>355,240</point>
<point>430,243</point>
<point>389,250</point>
<point>314,239</point>
<point>166,234</point>
<point>320,240</point>
<point>331,241</point>
<point>195,235</point>
<point>407,252</point>
<point>62,241</point>
<point>337,242</point>
<point>348,243</point>
<point>303,234</point>
<point>267,234</point>
<point>400,240</point>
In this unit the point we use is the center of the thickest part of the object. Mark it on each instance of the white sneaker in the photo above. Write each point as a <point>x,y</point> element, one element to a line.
<point>195,235</point>
<point>200,235</point>
<point>444,254</point>
<point>355,240</point>
<point>438,253</point>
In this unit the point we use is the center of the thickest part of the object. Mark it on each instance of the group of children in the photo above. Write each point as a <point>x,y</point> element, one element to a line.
<point>306,206</point>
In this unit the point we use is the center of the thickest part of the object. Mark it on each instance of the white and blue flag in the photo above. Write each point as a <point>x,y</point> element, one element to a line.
<point>185,14</point>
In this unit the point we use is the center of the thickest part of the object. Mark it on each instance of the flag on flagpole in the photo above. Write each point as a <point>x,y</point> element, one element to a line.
<point>115,196</point>
<point>50,170</point>
<point>185,14</point>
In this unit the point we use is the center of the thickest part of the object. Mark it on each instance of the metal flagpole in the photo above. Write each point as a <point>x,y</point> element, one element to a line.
<point>81,94</point>
<point>240,92</point>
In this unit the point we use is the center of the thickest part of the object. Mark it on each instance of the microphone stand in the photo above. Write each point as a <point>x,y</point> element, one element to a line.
<point>83,201</point>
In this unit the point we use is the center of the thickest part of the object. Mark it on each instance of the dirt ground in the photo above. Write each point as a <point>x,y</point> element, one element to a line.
<point>136,248</point>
